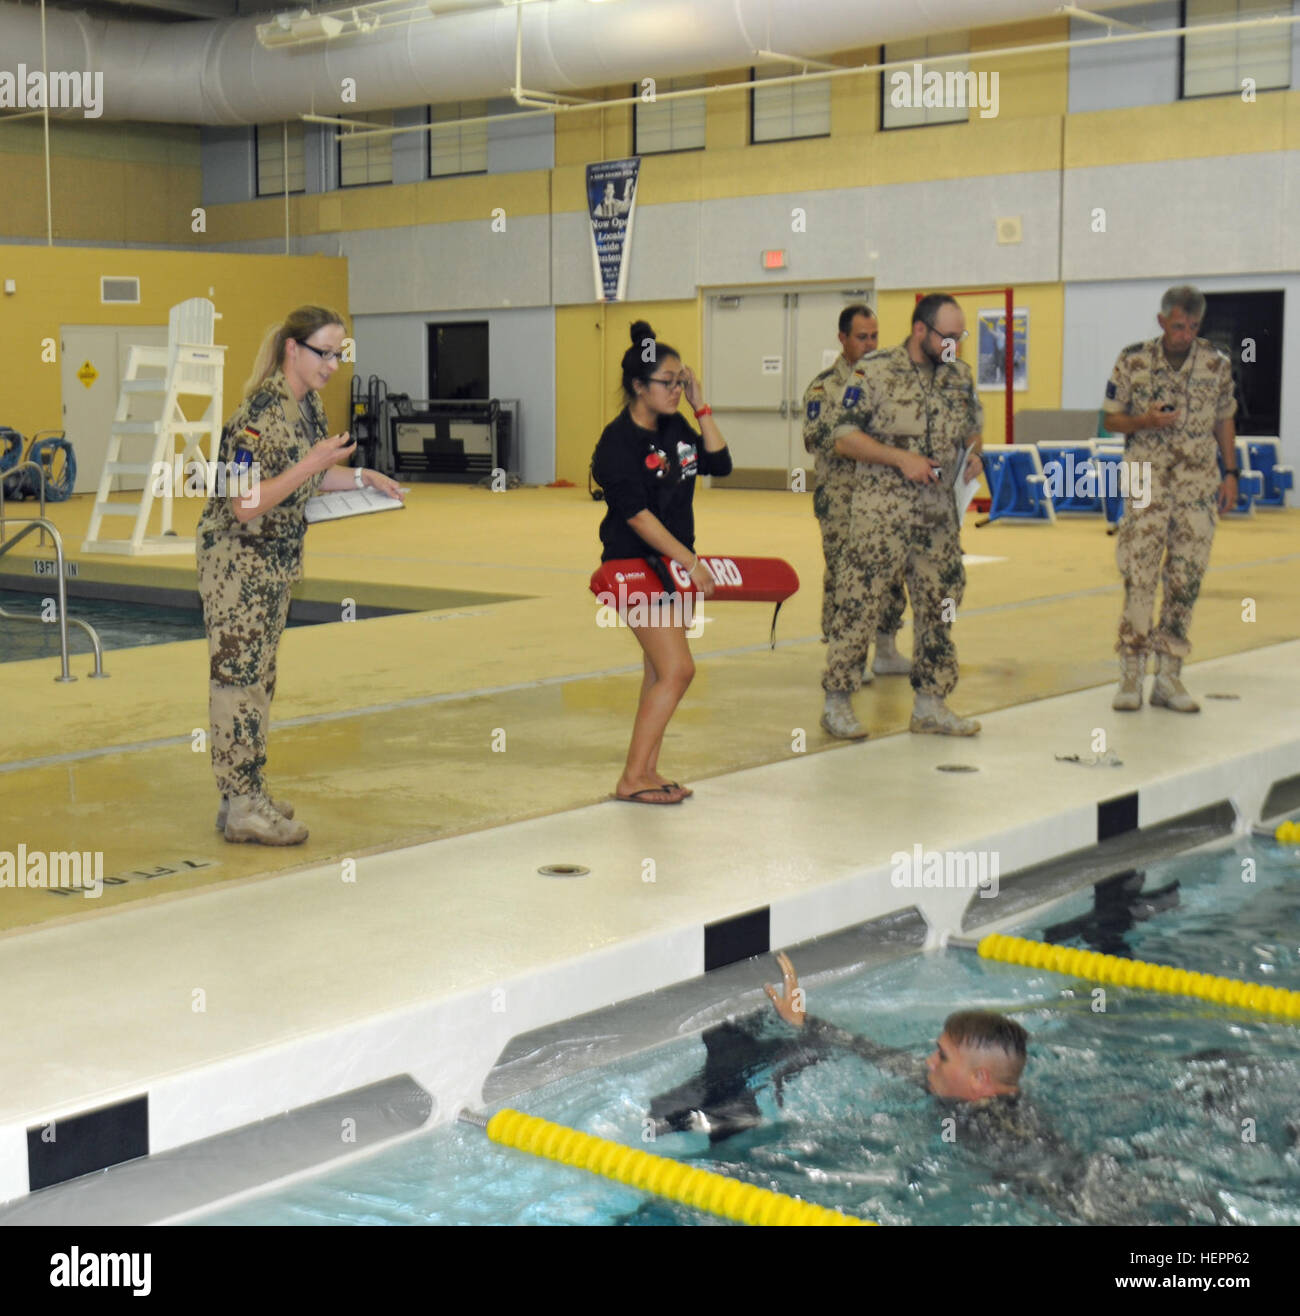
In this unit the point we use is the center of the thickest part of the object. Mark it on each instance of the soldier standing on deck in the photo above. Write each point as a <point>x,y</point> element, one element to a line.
<point>249,552</point>
<point>1172,398</point>
<point>833,487</point>
<point>904,419</point>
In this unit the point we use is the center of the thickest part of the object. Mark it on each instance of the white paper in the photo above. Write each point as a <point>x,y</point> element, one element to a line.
<point>348,502</point>
<point>963,490</point>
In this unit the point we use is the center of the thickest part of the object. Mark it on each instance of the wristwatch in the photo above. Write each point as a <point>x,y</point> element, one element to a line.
<point>1234,471</point>
<point>359,477</point>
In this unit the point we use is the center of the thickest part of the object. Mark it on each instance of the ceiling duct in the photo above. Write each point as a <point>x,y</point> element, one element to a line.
<point>216,72</point>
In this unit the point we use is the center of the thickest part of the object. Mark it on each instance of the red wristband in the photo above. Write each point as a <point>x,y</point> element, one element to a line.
<point>703,411</point>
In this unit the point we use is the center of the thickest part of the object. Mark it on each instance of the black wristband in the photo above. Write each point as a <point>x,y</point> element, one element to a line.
<point>1234,471</point>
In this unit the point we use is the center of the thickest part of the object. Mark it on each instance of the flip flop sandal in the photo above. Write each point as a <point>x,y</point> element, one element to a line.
<point>677,786</point>
<point>635,797</point>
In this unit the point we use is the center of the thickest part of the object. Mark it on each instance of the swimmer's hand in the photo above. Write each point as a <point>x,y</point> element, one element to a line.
<point>789,1006</point>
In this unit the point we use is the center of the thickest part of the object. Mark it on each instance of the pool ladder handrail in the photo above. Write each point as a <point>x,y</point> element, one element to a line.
<point>39,522</point>
<point>40,471</point>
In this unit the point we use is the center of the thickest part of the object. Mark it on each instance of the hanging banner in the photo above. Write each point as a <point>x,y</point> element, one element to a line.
<point>611,201</point>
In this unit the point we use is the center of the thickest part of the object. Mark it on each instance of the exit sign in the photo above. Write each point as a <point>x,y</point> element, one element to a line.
<point>774,260</point>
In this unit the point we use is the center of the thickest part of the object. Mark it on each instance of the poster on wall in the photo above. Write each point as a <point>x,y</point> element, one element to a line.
<point>993,349</point>
<point>611,202</point>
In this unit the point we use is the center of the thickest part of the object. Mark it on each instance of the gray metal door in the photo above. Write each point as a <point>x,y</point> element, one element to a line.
<point>762,349</point>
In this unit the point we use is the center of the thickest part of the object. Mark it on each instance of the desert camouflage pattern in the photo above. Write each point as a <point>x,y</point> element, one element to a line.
<point>1170,539</point>
<point>246,573</point>
<point>899,530</point>
<point>833,492</point>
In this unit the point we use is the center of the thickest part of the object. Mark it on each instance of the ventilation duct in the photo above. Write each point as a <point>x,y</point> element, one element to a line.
<point>218,73</point>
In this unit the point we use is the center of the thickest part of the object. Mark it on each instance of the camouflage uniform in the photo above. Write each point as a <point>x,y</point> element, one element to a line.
<point>898,528</point>
<point>833,493</point>
<point>1173,534</point>
<point>246,573</point>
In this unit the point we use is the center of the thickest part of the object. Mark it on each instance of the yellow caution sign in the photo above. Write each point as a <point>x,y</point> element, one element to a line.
<point>87,374</point>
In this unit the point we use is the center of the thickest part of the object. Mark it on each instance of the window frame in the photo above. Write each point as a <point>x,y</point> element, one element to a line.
<point>800,137</point>
<point>258,194</point>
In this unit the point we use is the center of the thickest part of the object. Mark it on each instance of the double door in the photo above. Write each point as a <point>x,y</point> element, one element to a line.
<point>762,350</point>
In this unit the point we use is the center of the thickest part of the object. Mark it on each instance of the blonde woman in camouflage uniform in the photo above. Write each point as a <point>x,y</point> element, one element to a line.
<point>1172,398</point>
<point>249,553</point>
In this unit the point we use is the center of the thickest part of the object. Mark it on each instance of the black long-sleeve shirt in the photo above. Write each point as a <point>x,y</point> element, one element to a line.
<point>650,470</point>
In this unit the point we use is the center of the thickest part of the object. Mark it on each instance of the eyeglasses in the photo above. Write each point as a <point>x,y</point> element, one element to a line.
<point>668,383</point>
<point>327,357</point>
<point>956,338</point>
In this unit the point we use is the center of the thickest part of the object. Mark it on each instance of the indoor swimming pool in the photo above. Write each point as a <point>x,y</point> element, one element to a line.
<point>1146,1108</point>
<point>119,624</point>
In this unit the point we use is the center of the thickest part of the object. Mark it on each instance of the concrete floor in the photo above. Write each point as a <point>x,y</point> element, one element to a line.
<point>406,728</point>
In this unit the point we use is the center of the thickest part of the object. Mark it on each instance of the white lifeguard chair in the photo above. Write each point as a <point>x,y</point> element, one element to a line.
<point>191,365</point>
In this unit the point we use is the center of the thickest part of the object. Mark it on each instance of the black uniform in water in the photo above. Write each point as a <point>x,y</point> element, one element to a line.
<point>744,1054</point>
<point>1007,1133</point>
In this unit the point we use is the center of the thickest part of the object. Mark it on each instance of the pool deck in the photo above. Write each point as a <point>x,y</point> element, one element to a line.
<point>413,933</point>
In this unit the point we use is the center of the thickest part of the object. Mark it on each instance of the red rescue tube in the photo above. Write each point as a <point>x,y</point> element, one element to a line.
<point>736,580</point>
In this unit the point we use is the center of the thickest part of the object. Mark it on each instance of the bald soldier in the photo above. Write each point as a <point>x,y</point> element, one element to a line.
<point>1173,400</point>
<point>833,488</point>
<point>904,420</point>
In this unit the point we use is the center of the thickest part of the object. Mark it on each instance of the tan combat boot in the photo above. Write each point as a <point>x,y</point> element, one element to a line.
<point>252,818</point>
<point>1132,668</point>
<point>839,720</point>
<point>932,717</point>
<point>284,809</point>
<point>889,662</point>
<point>1167,690</point>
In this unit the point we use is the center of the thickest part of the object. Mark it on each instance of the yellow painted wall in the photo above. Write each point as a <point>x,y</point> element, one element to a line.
<point>109,182</point>
<point>1046,305</point>
<point>59,286</point>
<point>589,346</point>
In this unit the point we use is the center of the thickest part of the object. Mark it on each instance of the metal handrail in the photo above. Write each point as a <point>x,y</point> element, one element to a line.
<point>40,470</point>
<point>34,523</point>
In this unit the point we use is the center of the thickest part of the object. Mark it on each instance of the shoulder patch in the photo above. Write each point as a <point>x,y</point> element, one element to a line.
<point>1132,348</point>
<point>259,402</point>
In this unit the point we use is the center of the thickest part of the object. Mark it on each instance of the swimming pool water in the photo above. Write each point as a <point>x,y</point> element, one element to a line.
<point>1167,1110</point>
<point>119,625</point>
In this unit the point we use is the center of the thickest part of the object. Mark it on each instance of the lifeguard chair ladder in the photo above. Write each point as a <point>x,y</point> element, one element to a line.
<point>192,366</point>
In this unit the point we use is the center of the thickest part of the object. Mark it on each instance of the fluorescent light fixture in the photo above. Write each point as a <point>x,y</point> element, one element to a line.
<point>299,29</point>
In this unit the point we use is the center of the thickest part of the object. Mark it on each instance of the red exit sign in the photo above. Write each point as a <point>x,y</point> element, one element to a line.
<point>774,260</point>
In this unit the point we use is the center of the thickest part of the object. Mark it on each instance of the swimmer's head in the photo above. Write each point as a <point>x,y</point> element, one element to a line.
<point>979,1054</point>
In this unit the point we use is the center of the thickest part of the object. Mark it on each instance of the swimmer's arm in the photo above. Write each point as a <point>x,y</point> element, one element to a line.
<point>892,1059</point>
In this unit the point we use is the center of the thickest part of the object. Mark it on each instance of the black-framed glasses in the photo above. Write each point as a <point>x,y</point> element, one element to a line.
<point>325,356</point>
<point>956,338</point>
<point>668,383</point>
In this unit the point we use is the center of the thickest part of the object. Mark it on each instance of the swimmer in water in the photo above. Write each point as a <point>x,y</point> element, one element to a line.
<point>977,1060</point>
<point>974,1071</point>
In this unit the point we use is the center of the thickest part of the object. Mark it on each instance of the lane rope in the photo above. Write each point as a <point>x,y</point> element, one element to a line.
<point>1139,973</point>
<point>704,1190</point>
